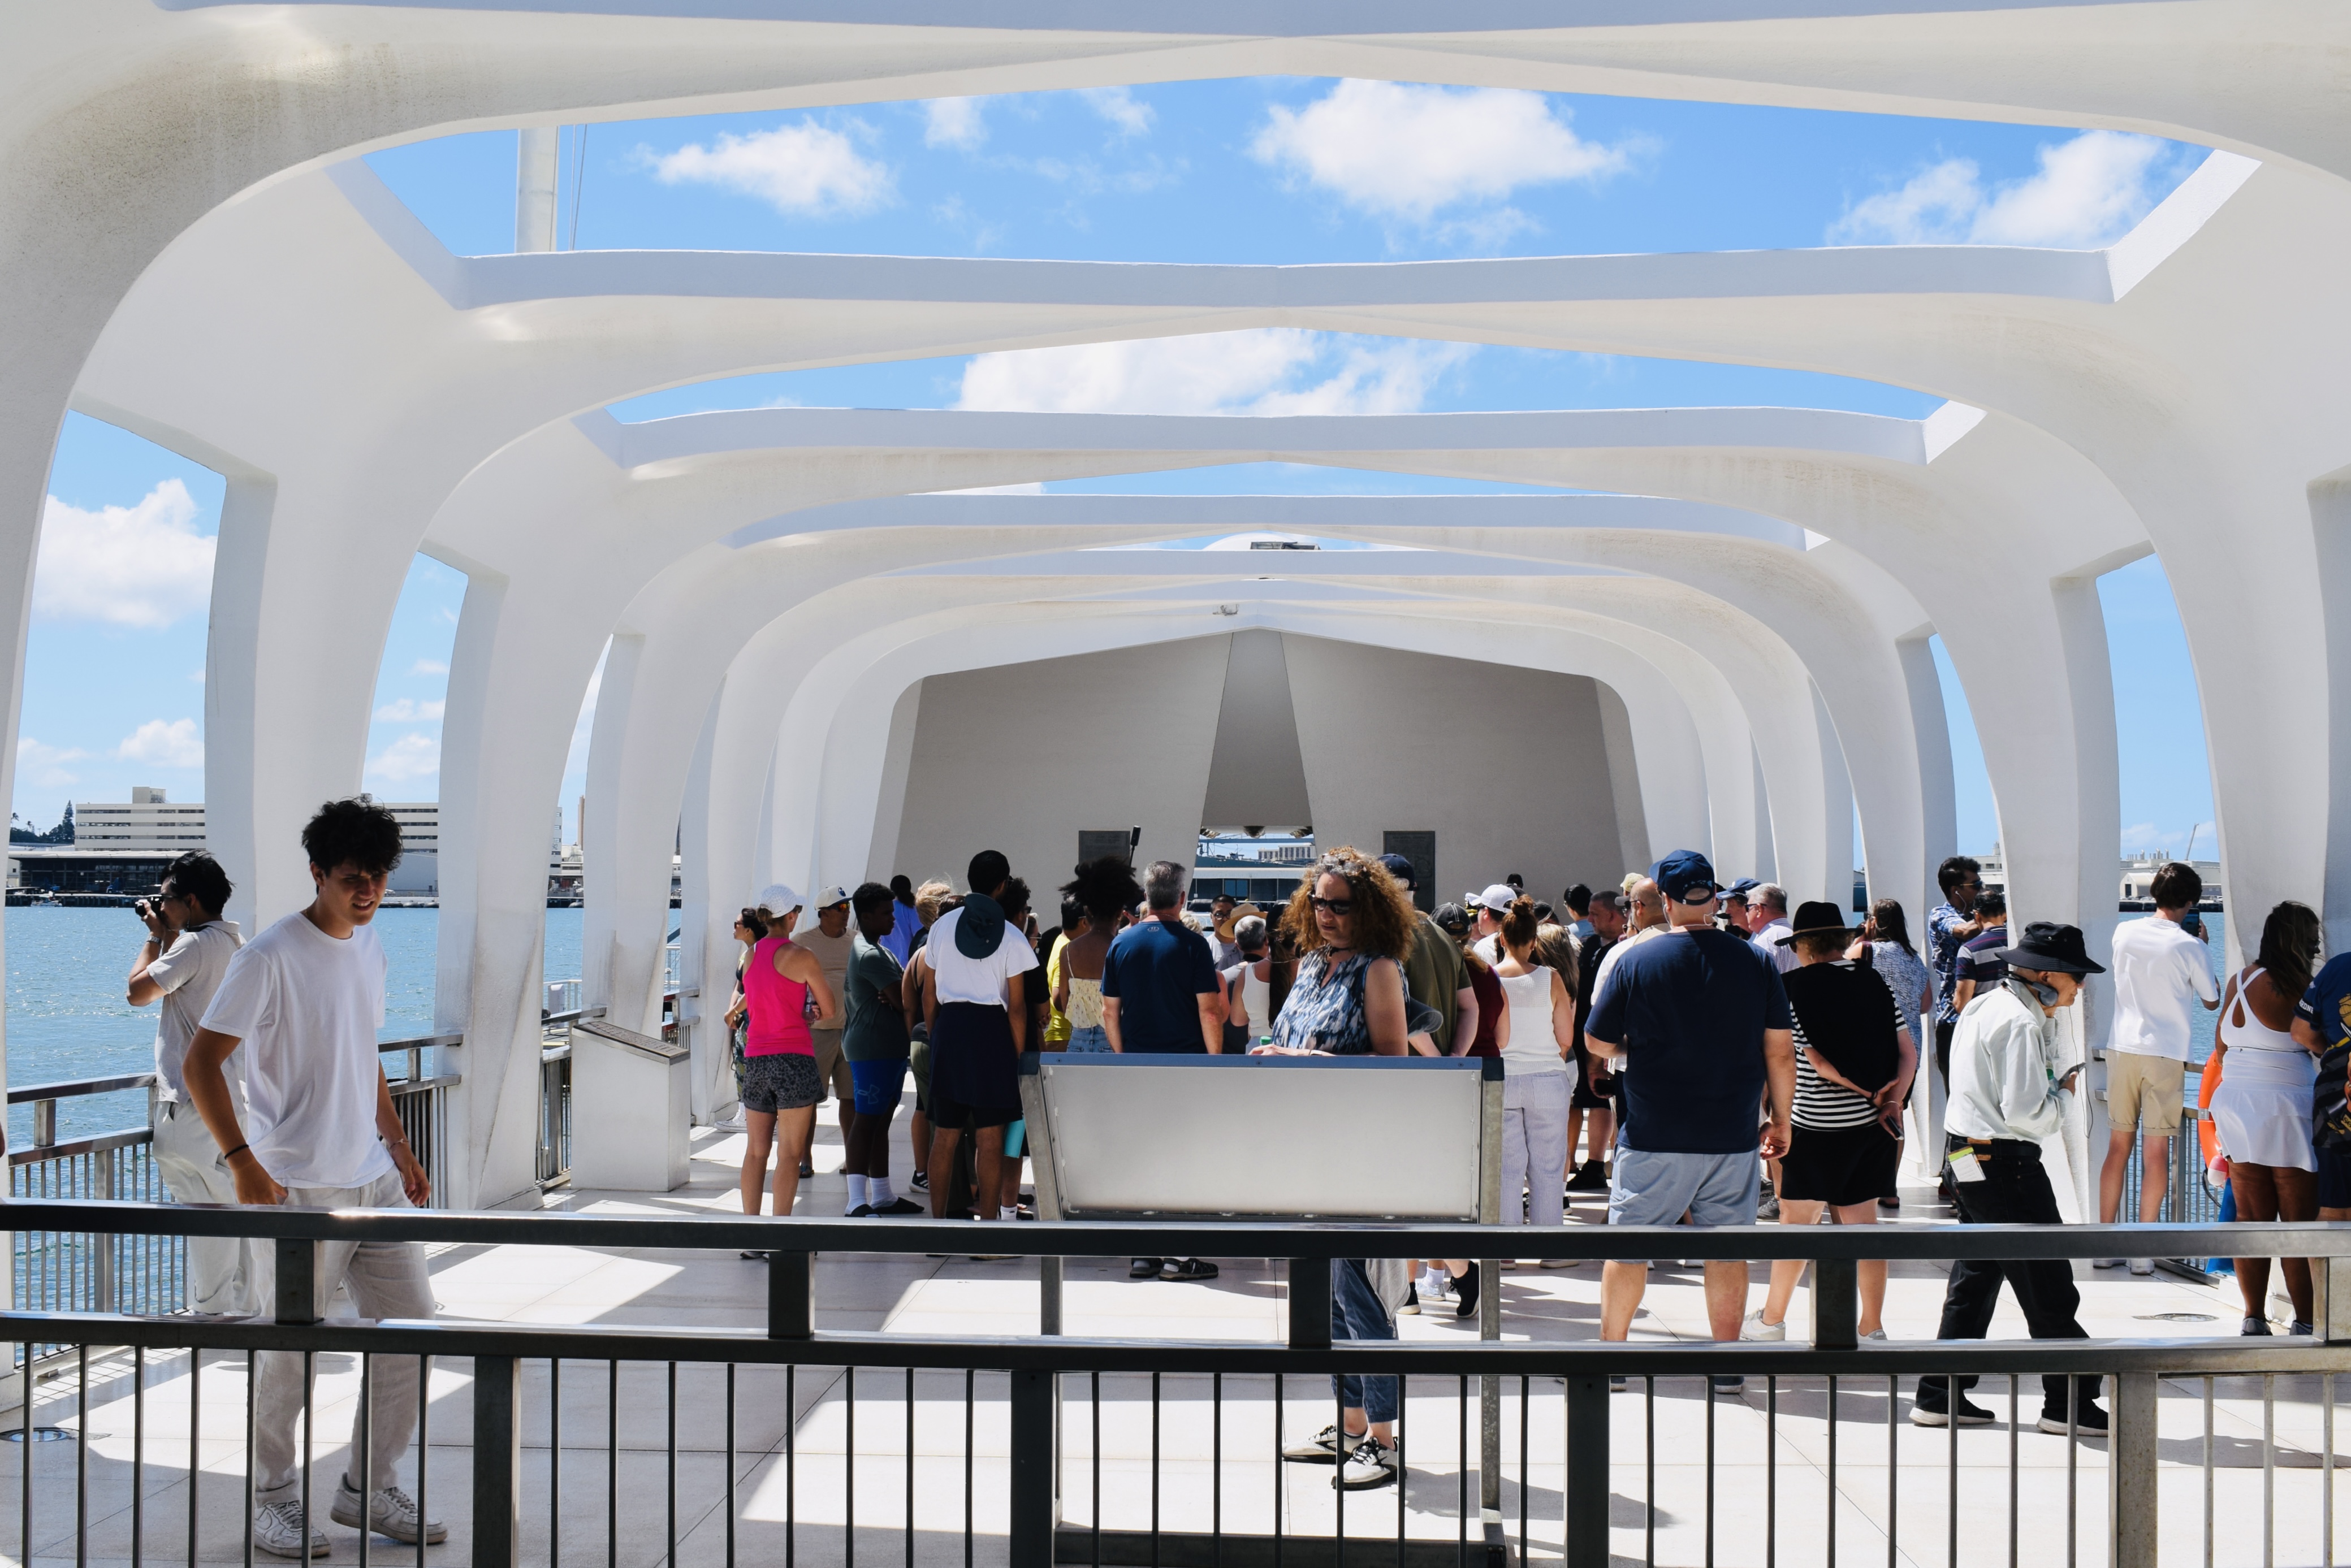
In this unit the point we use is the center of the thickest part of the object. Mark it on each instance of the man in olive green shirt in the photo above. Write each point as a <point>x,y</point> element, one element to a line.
<point>1435,973</point>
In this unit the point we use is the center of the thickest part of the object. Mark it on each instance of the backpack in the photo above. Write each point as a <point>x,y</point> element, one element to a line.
<point>2330,1115</point>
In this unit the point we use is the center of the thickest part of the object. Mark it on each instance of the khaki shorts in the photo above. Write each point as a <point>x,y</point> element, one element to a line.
<point>832,1066</point>
<point>2143,1091</point>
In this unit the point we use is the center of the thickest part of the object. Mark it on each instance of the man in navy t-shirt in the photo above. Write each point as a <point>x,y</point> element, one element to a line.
<point>1159,985</point>
<point>1701,1020</point>
<point>1161,996</point>
<point>2322,1024</point>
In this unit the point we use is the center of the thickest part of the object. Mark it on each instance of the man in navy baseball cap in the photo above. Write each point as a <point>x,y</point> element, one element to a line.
<point>1685,877</point>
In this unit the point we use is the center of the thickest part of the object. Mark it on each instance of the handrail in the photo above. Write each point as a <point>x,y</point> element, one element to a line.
<point>1935,1243</point>
<point>72,1088</point>
<point>1059,1353</point>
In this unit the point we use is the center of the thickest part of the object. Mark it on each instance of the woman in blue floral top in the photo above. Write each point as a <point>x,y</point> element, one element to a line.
<point>1354,928</point>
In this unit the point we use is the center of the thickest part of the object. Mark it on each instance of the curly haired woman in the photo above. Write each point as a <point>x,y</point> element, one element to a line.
<point>1353,927</point>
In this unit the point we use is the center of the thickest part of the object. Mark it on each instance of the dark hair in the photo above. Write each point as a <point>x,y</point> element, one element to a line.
<point>1073,911</point>
<point>868,896</point>
<point>354,832</point>
<point>1543,912</point>
<point>2178,887</point>
<point>1105,887</point>
<point>1827,944</point>
<point>757,920</point>
<point>1385,920</point>
<point>1954,871</point>
<point>1519,926</point>
<point>987,872</point>
<point>1992,901</point>
<point>1013,898</point>
<point>902,890</point>
<point>2290,948</point>
<point>1893,925</point>
<point>1515,880</point>
<point>198,876</point>
<point>1579,899</point>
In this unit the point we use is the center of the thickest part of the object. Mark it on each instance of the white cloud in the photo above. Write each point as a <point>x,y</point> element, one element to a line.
<point>412,756</point>
<point>409,710</point>
<point>954,122</point>
<point>44,765</point>
<point>1121,108</point>
<point>1266,370</point>
<point>161,743</point>
<point>803,170</point>
<point>2087,193</point>
<point>142,565</point>
<point>1400,150</point>
<point>428,667</point>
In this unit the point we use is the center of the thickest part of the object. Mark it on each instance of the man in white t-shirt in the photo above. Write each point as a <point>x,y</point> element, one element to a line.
<point>187,952</point>
<point>2159,967</point>
<point>1767,910</point>
<point>303,1000</point>
<point>975,1000</point>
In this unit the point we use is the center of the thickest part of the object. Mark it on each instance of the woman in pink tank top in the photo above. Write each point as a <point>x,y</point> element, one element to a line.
<point>781,985</point>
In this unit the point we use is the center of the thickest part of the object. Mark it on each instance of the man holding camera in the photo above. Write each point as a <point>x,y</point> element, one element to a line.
<point>181,964</point>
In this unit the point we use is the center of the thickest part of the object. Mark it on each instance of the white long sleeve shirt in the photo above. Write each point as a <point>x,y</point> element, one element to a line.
<point>2004,1069</point>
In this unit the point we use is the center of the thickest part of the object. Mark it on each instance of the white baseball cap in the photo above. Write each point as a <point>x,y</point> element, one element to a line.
<point>777,901</point>
<point>1498,897</point>
<point>832,894</point>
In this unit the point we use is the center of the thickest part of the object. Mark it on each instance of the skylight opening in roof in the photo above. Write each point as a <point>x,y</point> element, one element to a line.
<point>1282,370</point>
<point>1288,170</point>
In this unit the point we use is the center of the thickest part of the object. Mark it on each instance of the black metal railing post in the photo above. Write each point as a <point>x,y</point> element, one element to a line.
<point>1310,1303</point>
<point>1585,1525</point>
<point>791,1295</point>
<point>497,1462</point>
<point>1836,1303</point>
<point>1033,1470</point>
<point>298,1281</point>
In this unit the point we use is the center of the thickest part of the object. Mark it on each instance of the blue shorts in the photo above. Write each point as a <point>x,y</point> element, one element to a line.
<point>1649,1188</point>
<point>2335,1179</point>
<point>880,1086</point>
<point>1089,1038</point>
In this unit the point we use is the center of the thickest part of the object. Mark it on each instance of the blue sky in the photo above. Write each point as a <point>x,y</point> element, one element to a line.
<point>1272,170</point>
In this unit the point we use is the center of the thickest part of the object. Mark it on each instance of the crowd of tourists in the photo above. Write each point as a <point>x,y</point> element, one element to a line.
<point>1692,1049</point>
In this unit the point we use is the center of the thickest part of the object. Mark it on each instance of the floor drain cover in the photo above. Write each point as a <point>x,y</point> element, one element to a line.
<point>2175,1317</point>
<point>40,1435</point>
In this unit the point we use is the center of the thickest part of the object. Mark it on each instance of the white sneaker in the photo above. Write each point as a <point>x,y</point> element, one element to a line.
<point>392,1513</point>
<point>1876,1335</point>
<point>277,1530</point>
<point>1372,1463</point>
<point>2142,1266</point>
<point>1755,1328</point>
<point>2105,1262</point>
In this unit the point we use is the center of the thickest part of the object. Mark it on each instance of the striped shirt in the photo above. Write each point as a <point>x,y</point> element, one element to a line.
<point>1847,1014</point>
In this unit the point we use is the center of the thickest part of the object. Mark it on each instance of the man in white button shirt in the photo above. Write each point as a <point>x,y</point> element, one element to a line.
<point>305,999</point>
<point>187,952</point>
<point>2159,969</point>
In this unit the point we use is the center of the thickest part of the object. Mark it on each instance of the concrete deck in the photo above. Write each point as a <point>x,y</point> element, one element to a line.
<point>804,1427</point>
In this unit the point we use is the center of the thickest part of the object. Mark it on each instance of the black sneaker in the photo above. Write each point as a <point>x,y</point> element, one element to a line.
<point>1971,1415</point>
<point>2089,1421</point>
<point>1589,1178</point>
<point>921,1181</point>
<point>898,1205</point>
<point>1144,1268</point>
<point>1465,1293</point>
<point>808,1168</point>
<point>1411,1307</point>
<point>1187,1269</point>
<point>863,1211</point>
<point>1372,1464</point>
<point>1729,1383</point>
<point>1325,1446</point>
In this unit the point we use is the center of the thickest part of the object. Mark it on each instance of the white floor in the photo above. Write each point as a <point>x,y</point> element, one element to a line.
<point>795,1506</point>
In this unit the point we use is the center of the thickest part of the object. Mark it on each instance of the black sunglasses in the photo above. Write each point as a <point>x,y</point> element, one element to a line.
<point>1332,905</point>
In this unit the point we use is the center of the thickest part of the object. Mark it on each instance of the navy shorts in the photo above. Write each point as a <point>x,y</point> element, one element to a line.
<point>880,1086</point>
<point>2335,1179</point>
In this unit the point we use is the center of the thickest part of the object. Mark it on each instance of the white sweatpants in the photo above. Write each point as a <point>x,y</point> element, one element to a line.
<point>223,1271</point>
<point>1534,1145</point>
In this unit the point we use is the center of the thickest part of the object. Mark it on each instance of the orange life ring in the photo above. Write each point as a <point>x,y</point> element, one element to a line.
<point>2208,1138</point>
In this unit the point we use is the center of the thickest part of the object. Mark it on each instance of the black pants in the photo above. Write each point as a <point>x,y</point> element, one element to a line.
<point>1943,1028</point>
<point>2014,1192</point>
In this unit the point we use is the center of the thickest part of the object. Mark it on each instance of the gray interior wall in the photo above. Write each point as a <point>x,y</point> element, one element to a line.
<point>1019,757</point>
<point>1633,845</point>
<point>890,808</point>
<point>1509,767</point>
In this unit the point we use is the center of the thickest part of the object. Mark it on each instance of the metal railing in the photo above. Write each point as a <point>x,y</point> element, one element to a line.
<point>2189,1196</point>
<point>1165,1452</point>
<point>71,1271</point>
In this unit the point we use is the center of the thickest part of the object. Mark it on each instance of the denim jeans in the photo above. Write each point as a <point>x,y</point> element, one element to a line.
<point>1356,1314</point>
<point>1089,1037</point>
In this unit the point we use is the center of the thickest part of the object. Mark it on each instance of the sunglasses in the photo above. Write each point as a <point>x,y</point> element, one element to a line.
<point>1340,907</point>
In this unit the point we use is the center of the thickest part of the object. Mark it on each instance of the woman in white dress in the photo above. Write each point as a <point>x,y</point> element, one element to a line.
<point>2262,1109</point>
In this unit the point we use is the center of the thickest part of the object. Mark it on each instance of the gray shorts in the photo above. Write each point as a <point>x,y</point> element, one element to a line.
<point>785,1081</point>
<point>1649,1188</point>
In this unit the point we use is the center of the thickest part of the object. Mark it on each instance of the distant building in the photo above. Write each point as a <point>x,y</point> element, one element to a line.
<point>147,823</point>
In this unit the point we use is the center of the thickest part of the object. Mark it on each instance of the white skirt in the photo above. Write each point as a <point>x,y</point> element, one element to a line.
<point>2262,1109</point>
